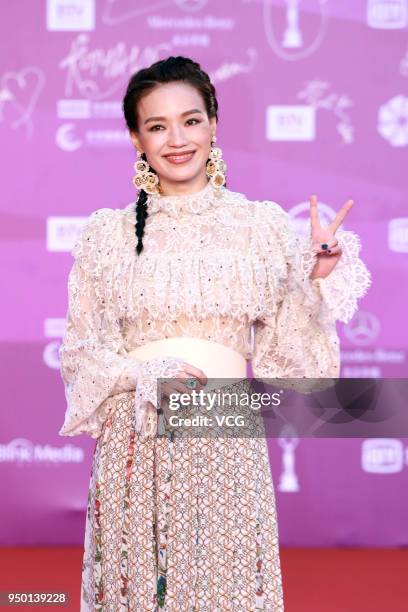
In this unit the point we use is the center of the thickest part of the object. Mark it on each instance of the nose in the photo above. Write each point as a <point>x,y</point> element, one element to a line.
<point>176,136</point>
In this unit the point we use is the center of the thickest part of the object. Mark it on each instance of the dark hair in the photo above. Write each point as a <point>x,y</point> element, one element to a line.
<point>164,71</point>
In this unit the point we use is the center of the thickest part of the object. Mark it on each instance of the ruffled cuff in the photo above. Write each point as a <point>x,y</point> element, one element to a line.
<point>305,259</point>
<point>146,388</point>
<point>347,282</point>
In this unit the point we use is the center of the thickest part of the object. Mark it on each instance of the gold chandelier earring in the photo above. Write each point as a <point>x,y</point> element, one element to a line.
<point>145,178</point>
<point>216,167</point>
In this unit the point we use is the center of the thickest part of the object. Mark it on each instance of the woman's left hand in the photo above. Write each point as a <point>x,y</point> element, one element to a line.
<point>329,255</point>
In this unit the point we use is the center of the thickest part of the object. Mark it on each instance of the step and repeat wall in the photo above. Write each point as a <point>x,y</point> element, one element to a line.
<point>313,98</point>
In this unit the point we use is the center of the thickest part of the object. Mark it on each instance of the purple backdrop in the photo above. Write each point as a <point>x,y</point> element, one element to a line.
<point>313,99</point>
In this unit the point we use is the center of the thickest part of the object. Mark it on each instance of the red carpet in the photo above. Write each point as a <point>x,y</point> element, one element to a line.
<point>314,580</point>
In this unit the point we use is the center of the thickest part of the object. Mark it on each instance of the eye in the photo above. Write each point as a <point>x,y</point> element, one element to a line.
<point>153,128</point>
<point>193,119</point>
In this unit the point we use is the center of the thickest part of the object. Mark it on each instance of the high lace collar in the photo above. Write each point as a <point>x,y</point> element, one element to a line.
<point>194,203</point>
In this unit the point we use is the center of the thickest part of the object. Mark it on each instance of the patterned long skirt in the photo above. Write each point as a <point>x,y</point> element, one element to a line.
<point>179,524</point>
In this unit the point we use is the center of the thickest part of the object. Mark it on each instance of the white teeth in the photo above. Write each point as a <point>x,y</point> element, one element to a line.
<point>179,157</point>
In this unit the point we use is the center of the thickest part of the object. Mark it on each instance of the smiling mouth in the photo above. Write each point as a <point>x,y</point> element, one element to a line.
<point>179,158</point>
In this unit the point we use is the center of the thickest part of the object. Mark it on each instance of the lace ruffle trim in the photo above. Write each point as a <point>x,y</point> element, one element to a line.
<point>348,282</point>
<point>339,292</point>
<point>147,384</point>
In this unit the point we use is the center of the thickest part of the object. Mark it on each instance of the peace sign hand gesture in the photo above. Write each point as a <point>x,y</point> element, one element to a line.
<point>325,244</point>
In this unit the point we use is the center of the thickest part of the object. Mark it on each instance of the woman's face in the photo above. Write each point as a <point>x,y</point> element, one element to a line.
<point>175,133</point>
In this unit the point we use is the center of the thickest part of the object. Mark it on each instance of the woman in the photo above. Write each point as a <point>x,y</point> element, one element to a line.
<point>171,287</point>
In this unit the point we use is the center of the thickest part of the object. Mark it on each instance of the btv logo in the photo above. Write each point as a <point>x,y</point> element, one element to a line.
<point>290,123</point>
<point>70,15</point>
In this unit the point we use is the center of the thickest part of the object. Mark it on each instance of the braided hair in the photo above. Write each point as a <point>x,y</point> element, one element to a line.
<point>141,215</point>
<point>145,80</point>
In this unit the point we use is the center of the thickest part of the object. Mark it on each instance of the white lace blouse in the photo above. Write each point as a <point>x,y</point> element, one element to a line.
<point>215,266</point>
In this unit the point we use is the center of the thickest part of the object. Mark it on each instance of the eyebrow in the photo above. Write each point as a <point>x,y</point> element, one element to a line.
<point>189,112</point>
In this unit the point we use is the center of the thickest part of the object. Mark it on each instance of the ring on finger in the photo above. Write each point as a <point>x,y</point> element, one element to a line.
<point>325,246</point>
<point>191,383</point>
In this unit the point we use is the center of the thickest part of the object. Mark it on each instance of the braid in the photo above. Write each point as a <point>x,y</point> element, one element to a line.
<point>141,215</point>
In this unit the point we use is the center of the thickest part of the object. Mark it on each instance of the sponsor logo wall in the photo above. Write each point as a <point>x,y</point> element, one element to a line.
<point>301,112</point>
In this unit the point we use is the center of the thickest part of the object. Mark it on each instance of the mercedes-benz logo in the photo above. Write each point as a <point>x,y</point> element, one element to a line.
<point>191,5</point>
<point>363,328</point>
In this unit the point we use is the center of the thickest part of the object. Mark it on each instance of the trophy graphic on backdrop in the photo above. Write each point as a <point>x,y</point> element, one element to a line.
<point>288,441</point>
<point>291,46</point>
<point>292,37</point>
<point>387,14</point>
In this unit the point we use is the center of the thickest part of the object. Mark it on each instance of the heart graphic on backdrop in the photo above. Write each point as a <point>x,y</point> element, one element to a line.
<point>21,92</point>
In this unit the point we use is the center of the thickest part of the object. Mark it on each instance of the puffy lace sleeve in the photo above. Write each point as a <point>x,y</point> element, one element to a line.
<point>296,336</point>
<point>94,363</point>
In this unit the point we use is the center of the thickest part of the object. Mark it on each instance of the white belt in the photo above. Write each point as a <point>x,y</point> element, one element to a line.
<point>213,358</point>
